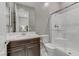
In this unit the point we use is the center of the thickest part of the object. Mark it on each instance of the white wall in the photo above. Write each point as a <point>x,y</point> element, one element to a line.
<point>41,20</point>
<point>31,4</point>
<point>2,18</point>
<point>42,16</point>
<point>54,6</point>
<point>2,29</point>
<point>64,4</point>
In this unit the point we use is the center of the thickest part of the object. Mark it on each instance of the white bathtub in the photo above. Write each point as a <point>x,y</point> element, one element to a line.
<point>53,50</point>
<point>59,51</point>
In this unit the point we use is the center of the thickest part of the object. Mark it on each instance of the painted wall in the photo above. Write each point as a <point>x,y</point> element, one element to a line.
<point>2,19</point>
<point>41,20</point>
<point>42,16</point>
<point>2,29</point>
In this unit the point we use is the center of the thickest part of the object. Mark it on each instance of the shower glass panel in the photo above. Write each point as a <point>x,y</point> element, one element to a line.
<point>72,32</point>
<point>57,24</point>
<point>64,29</point>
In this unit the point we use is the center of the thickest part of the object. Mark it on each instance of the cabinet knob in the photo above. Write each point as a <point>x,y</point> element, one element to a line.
<point>5,42</point>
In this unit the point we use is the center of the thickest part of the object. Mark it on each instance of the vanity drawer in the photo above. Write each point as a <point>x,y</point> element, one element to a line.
<point>18,51</point>
<point>35,40</point>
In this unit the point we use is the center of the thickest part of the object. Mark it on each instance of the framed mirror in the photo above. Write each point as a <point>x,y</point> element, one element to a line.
<point>21,18</point>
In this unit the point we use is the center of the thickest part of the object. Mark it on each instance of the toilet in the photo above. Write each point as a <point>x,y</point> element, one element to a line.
<point>49,47</point>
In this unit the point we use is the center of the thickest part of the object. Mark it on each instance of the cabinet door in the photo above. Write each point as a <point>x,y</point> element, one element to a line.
<point>33,50</point>
<point>19,51</point>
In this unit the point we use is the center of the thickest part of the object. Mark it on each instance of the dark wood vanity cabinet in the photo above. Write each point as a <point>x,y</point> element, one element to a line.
<point>30,47</point>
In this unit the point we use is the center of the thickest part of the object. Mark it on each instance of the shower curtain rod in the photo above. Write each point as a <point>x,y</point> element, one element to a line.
<point>64,8</point>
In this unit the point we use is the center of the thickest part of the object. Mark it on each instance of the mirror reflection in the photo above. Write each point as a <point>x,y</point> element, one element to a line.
<point>19,17</point>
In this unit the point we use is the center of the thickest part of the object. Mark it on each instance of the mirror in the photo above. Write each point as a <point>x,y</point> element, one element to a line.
<point>20,17</point>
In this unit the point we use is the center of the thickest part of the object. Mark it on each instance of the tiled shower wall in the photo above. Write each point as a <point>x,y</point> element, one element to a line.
<point>68,34</point>
<point>72,27</point>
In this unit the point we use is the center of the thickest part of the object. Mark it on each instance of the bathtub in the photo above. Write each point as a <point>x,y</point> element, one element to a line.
<point>52,50</point>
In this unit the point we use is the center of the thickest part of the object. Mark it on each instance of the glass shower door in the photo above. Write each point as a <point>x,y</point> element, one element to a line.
<point>57,30</point>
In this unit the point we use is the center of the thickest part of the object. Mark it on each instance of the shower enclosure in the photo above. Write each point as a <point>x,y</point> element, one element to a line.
<point>64,28</point>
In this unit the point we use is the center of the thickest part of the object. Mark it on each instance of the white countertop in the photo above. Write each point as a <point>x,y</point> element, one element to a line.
<point>21,37</point>
<point>18,37</point>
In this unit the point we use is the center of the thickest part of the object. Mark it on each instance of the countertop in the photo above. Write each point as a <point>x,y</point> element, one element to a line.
<point>23,37</point>
<point>19,38</point>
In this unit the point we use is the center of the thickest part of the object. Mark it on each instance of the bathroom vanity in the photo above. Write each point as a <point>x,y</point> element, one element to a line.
<point>28,45</point>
